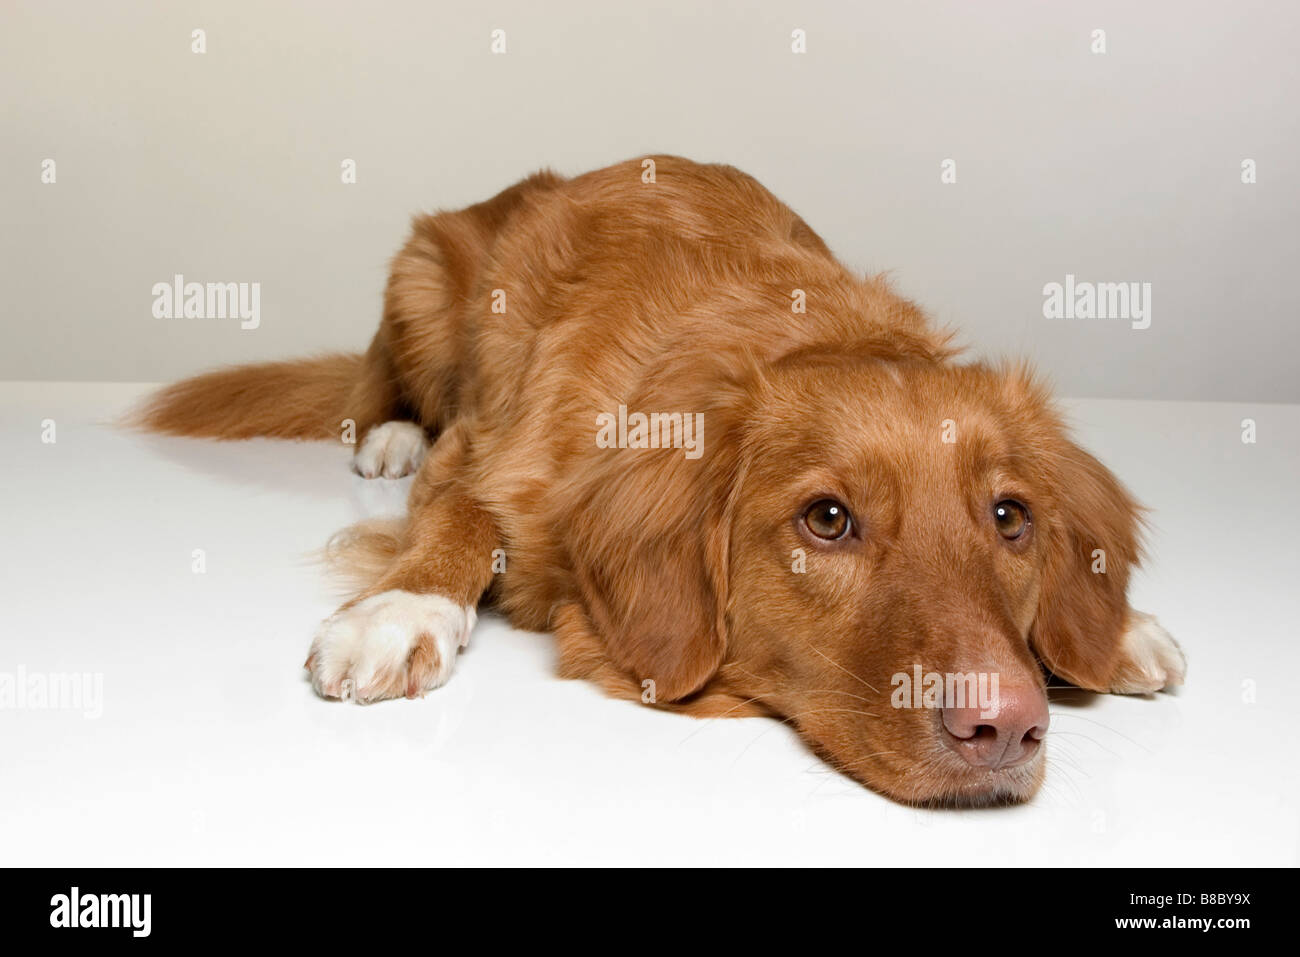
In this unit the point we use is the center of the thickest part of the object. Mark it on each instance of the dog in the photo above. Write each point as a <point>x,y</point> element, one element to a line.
<point>729,475</point>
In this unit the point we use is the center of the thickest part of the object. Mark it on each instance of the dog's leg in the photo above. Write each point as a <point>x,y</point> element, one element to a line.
<point>390,445</point>
<point>415,366</point>
<point>391,450</point>
<point>401,635</point>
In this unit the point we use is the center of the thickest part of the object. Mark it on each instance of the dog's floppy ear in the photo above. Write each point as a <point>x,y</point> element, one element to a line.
<point>652,547</point>
<point>661,611</point>
<point>1093,544</point>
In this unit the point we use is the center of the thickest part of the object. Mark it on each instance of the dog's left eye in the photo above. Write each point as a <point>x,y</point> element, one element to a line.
<point>828,519</point>
<point>1011,518</point>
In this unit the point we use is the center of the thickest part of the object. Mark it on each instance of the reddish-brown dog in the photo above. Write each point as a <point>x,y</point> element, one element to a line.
<point>731,476</point>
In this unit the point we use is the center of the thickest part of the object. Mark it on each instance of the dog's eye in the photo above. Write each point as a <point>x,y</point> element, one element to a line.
<point>828,519</point>
<point>1011,518</point>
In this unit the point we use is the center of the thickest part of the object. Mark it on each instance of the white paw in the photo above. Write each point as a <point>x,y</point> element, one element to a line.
<point>1151,658</point>
<point>392,644</point>
<point>392,450</point>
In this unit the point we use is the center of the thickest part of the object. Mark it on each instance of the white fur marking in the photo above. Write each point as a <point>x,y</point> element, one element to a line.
<point>363,652</point>
<point>392,450</point>
<point>1153,657</point>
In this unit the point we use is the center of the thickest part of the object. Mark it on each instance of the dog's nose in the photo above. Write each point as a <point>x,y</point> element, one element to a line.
<point>1003,739</point>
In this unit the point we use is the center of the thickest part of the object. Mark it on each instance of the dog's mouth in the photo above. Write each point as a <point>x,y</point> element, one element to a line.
<point>938,779</point>
<point>952,785</point>
<point>943,780</point>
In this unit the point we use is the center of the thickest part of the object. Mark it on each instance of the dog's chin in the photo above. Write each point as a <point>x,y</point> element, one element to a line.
<point>935,781</point>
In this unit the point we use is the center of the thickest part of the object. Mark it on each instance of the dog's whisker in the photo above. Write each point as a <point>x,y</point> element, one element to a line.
<point>1079,717</point>
<point>840,666</point>
<point>816,691</point>
<point>707,722</point>
<point>1063,777</point>
<point>1062,738</point>
<point>791,720</point>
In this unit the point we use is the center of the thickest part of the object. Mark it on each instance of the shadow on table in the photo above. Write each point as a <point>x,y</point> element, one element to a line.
<point>317,470</point>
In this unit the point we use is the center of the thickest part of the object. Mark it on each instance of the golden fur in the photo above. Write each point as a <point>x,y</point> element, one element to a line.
<point>649,566</point>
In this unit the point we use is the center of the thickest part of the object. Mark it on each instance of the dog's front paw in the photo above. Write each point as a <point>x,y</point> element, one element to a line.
<point>392,644</point>
<point>392,450</point>
<point>1150,658</point>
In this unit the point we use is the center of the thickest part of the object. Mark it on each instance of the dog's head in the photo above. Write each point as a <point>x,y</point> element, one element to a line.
<point>880,552</point>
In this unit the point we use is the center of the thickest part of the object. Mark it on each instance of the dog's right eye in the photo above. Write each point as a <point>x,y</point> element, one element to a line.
<point>828,519</point>
<point>1011,519</point>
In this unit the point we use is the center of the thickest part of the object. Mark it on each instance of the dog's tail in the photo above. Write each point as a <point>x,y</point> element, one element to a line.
<point>299,399</point>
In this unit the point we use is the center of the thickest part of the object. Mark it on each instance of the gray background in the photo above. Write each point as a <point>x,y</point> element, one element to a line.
<point>225,166</point>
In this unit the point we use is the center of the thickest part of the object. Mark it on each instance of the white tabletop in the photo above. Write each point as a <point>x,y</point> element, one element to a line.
<point>212,749</point>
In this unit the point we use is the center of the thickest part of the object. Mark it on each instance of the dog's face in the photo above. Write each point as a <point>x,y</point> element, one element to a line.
<point>904,522</point>
<point>856,530</point>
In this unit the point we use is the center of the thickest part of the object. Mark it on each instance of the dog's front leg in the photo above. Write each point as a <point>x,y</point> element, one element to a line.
<point>400,637</point>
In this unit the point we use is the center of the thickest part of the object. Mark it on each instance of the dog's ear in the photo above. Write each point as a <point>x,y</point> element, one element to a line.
<point>1093,544</point>
<point>661,611</point>
<point>652,547</point>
